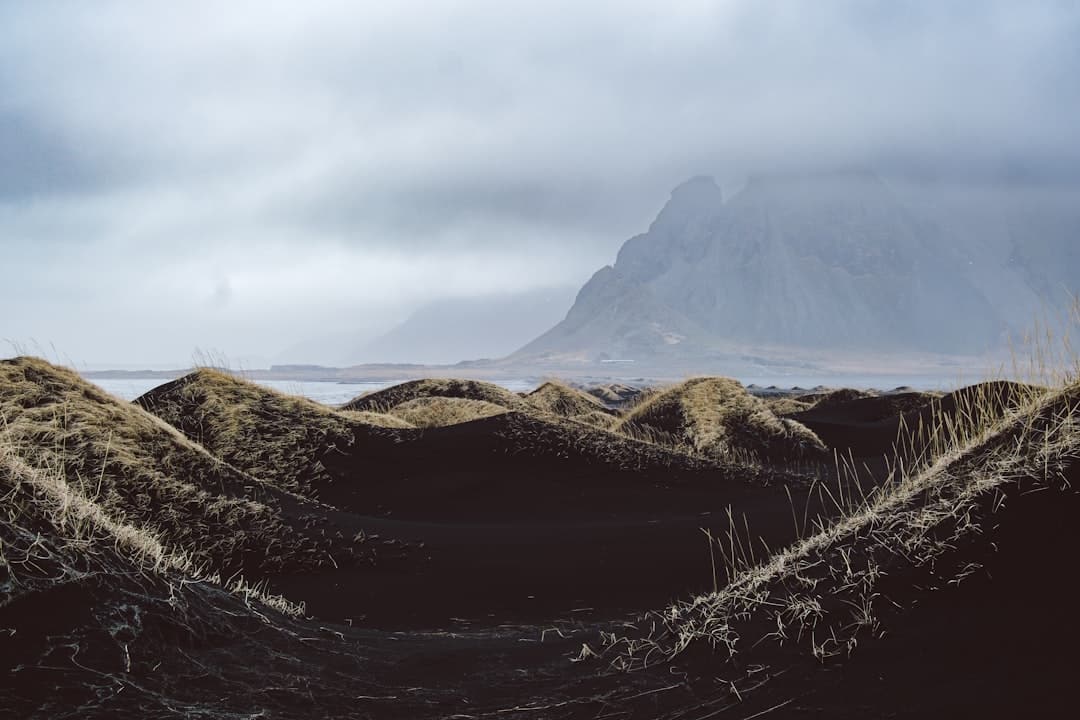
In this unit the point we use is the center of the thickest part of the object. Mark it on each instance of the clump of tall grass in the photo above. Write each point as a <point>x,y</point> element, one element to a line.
<point>47,520</point>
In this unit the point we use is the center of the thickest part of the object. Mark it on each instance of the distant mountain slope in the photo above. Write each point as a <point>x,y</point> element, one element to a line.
<point>455,329</point>
<point>823,260</point>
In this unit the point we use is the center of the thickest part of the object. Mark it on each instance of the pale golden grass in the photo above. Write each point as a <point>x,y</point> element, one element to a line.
<point>33,495</point>
<point>378,419</point>
<point>717,417</point>
<point>552,437</point>
<point>619,395</point>
<point>143,473</point>
<point>430,412</point>
<point>782,405</point>
<point>557,398</point>
<point>384,400</point>
<point>602,420</point>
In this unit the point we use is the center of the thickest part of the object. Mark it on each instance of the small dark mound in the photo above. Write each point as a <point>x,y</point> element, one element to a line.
<point>875,426</point>
<point>387,398</point>
<point>867,409</point>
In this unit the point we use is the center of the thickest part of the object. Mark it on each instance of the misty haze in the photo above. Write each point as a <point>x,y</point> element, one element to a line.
<point>571,360</point>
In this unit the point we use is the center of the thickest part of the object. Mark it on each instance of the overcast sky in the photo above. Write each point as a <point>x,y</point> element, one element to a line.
<point>239,176</point>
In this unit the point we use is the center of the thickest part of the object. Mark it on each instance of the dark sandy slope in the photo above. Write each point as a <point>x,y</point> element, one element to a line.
<point>514,516</point>
<point>1000,643</point>
<point>874,426</point>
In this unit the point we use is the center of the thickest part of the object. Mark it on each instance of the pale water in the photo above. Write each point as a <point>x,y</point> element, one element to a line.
<point>337,393</point>
<point>328,393</point>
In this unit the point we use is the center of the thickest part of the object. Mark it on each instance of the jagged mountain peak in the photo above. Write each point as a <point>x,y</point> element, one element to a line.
<point>699,187</point>
<point>693,200</point>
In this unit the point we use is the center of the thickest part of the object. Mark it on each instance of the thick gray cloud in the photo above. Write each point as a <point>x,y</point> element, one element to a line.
<point>235,175</point>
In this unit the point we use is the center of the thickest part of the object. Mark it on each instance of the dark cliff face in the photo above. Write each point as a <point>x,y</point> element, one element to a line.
<point>824,261</point>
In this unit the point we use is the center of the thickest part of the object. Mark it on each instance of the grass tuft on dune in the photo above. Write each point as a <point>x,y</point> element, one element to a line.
<point>382,400</point>
<point>717,417</point>
<point>429,412</point>
<point>556,398</point>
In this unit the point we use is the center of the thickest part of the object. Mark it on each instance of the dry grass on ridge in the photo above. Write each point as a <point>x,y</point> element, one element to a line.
<point>51,534</point>
<point>557,398</point>
<point>140,472</point>
<point>376,419</point>
<point>619,395</point>
<point>784,405</point>
<point>429,412</point>
<point>717,417</point>
<point>602,420</point>
<point>383,400</point>
<point>276,437</point>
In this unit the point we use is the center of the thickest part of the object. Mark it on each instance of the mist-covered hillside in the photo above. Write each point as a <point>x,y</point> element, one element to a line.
<point>455,329</point>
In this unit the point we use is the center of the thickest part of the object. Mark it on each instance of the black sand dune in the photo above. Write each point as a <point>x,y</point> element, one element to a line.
<point>491,552</point>
<point>1000,643</point>
<point>870,426</point>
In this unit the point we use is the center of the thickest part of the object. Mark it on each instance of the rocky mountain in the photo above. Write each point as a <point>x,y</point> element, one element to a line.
<point>830,261</point>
